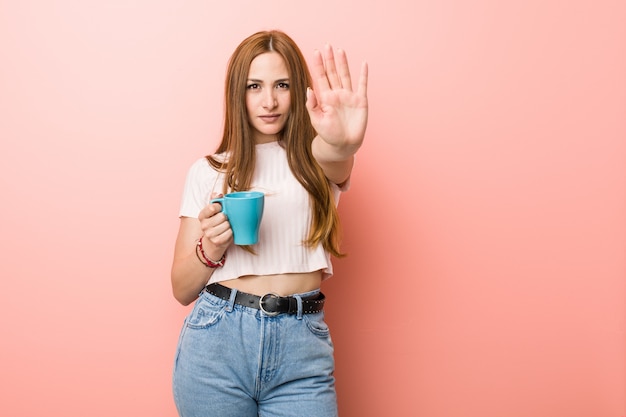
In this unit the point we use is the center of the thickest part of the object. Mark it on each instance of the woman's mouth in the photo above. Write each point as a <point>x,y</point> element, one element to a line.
<point>270,118</point>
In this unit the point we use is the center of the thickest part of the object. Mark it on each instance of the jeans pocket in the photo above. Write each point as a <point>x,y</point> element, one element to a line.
<point>205,314</point>
<point>316,324</point>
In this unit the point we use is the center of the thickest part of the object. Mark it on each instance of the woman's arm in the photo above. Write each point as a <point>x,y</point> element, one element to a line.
<point>189,274</point>
<point>336,164</point>
<point>338,114</point>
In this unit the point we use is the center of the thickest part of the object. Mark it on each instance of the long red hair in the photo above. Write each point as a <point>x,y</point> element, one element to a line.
<point>296,136</point>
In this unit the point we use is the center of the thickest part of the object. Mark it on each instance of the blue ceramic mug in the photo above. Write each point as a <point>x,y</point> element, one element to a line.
<point>244,210</point>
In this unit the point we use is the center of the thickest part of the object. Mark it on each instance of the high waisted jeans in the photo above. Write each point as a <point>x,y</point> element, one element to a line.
<point>235,361</point>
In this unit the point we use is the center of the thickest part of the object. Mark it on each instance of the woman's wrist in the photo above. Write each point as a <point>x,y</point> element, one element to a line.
<point>207,260</point>
<point>328,152</point>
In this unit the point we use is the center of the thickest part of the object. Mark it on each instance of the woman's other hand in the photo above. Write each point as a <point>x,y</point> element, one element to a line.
<point>337,112</point>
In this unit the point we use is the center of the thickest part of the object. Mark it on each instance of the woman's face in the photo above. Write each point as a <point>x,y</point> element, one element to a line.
<point>267,96</point>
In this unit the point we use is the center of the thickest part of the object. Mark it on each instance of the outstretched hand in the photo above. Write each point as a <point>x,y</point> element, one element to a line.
<point>338,114</point>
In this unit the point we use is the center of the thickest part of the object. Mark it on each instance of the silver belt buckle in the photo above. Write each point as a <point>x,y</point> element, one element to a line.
<point>262,302</point>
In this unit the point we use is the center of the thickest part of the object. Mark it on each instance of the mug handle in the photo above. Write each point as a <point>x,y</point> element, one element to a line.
<point>219,200</point>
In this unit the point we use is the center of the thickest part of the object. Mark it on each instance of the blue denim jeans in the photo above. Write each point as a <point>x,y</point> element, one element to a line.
<point>237,361</point>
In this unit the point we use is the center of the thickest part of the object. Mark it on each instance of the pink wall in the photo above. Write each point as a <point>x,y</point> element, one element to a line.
<point>486,223</point>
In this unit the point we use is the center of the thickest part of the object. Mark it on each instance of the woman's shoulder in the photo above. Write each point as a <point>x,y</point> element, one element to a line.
<point>201,165</point>
<point>201,168</point>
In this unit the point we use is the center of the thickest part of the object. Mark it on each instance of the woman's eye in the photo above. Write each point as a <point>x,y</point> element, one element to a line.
<point>284,86</point>
<point>252,86</point>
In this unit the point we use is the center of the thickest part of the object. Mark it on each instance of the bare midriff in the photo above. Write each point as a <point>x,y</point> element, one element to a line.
<point>280,284</point>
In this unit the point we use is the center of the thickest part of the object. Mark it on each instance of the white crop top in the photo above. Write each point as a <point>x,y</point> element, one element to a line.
<point>285,223</point>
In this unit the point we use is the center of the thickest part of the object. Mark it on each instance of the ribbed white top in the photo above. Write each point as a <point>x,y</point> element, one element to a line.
<point>285,224</point>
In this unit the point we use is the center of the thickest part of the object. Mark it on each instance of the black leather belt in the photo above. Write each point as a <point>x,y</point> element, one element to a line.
<point>271,304</point>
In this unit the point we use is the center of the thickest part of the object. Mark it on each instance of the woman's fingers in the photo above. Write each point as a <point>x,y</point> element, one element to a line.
<point>221,237</point>
<point>362,87</point>
<point>330,71</point>
<point>343,70</point>
<point>209,211</point>
<point>214,224</point>
<point>318,72</point>
<point>217,230</point>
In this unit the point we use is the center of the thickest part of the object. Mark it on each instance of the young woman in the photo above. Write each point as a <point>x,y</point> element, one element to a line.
<point>255,343</point>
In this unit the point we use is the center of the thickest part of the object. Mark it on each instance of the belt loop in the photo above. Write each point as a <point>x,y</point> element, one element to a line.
<point>299,301</point>
<point>231,300</point>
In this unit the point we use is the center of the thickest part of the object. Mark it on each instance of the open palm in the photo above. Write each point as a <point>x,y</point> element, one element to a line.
<point>338,114</point>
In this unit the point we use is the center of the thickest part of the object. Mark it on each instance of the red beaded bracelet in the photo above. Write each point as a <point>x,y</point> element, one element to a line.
<point>207,262</point>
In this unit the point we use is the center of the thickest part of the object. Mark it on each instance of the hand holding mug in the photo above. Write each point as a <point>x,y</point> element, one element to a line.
<point>215,226</point>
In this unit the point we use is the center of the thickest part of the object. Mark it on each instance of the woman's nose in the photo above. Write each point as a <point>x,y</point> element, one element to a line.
<point>269,100</point>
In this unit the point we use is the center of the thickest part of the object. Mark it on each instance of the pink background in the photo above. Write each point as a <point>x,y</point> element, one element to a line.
<point>486,224</point>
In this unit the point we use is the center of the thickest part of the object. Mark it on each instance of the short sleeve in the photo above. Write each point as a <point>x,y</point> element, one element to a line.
<point>201,179</point>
